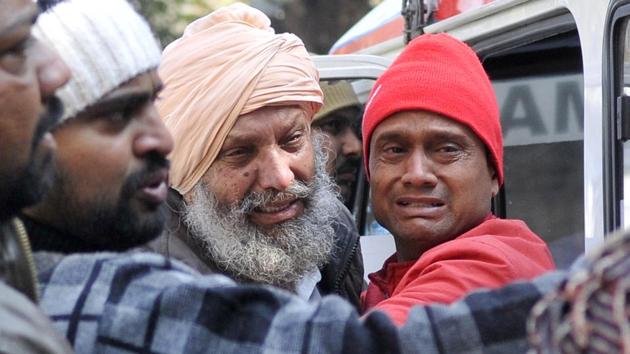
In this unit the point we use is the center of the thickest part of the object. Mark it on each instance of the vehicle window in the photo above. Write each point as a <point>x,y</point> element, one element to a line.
<point>539,87</point>
<point>340,117</point>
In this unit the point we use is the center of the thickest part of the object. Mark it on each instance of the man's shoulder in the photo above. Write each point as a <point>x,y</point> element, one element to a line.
<point>499,232</point>
<point>495,237</point>
<point>500,226</point>
<point>120,269</point>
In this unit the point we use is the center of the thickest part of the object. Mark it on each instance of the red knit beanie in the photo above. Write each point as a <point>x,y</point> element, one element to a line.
<point>440,74</point>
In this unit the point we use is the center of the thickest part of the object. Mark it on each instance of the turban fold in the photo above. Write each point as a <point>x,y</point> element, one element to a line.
<point>226,64</point>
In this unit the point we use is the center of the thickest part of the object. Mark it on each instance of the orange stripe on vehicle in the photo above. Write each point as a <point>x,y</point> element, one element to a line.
<point>390,30</point>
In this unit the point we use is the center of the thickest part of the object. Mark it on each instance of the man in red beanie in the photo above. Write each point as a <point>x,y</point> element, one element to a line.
<point>434,155</point>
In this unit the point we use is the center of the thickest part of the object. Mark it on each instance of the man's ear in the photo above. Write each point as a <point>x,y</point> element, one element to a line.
<point>495,184</point>
<point>188,197</point>
<point>493,174</point>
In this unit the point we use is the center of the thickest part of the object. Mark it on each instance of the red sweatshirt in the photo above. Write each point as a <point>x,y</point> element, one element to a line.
<point>494,253</point>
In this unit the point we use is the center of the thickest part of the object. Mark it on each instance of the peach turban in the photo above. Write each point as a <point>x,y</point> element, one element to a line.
<point>226,64</point>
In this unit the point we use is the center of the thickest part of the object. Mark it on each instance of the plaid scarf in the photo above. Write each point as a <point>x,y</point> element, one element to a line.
<point>144,303</point>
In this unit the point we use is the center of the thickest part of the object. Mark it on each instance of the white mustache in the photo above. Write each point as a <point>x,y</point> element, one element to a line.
<point>258,200</point>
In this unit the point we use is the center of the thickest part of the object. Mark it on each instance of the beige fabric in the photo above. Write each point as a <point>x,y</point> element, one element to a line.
<point>337,95</point>
<point>227,64</point>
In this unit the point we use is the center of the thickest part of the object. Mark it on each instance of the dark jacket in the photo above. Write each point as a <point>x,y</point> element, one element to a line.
<point>23,328</point>
<point>342,275</point>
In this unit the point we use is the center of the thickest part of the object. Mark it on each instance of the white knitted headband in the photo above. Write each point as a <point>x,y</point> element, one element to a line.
<point>105,43</point>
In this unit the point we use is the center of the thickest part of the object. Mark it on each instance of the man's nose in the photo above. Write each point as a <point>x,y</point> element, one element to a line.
<point>419,171</point>
<point>350,143</point>
<point>275,171</point>
<point>154,137</point>
<point>52,72</point>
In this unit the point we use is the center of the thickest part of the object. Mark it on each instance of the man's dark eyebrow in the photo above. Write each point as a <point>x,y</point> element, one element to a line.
<point>389,136</point>
<point>118,103</point>
<point>126,98</point>
<point>450,136</point>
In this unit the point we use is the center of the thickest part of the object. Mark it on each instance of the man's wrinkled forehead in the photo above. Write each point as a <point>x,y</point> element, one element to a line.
<point>16,16</point>
<point>291,117</point>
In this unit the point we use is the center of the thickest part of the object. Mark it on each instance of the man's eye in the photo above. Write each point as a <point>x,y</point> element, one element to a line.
<point>115,121</point>
<point>121,116</point>
<point>13,59</point>
<point>130,109</point>
<point>394,150</point>
<point>20,49</point>
<point>238,155</point>
<point>332,127</point>
<point>449,148</point>
<point>119,119</point>
<point>294,139</point>
<point>234,152</point>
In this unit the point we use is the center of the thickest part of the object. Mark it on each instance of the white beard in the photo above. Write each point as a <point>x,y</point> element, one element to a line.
<point>281,255</point>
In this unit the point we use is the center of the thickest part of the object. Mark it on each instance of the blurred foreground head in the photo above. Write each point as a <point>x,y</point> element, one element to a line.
<point>30,74</point>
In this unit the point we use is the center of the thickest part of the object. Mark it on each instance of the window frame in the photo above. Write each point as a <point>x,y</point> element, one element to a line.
<point>612,88</point>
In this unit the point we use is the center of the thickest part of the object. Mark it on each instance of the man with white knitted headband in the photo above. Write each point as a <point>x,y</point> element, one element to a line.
<point>112,167</point>
<point>30,75</point>
<point>250,193</point>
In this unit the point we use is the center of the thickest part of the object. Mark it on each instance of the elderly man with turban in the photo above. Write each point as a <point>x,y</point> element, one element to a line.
<point>249,191</point>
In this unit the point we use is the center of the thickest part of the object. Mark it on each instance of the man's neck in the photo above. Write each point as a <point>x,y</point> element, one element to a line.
<point>45,237</point>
